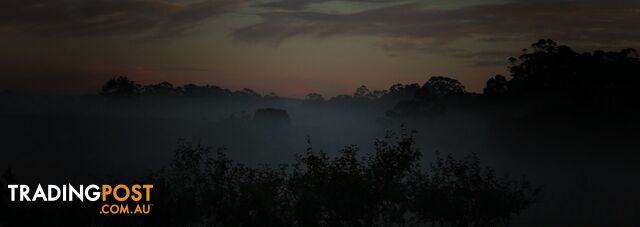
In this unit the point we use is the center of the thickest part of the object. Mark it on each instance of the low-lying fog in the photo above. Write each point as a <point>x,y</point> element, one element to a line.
<point>589,169</point>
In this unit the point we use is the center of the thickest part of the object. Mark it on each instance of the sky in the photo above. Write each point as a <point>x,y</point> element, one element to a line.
<point>290,47</point>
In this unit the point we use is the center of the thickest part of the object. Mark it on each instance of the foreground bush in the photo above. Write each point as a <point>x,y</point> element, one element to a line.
<point>383,188</point>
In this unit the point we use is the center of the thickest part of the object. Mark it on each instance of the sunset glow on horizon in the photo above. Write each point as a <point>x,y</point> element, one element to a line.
<point>289,47</point>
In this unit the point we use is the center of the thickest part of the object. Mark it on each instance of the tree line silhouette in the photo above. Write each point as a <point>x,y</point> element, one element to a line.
<point>551,75</point>
<point>123,87</point>
<point>552,69</point>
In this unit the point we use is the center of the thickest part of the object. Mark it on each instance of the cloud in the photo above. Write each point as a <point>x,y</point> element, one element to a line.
<point>304,4</point>
<point>290,4</point>
<point>612,22</point>
<point>154,18</point>
<point>185,69</point>
<point>438,48</point>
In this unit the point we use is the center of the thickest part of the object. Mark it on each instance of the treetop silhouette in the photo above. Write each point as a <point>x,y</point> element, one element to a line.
<point>385,187</point>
